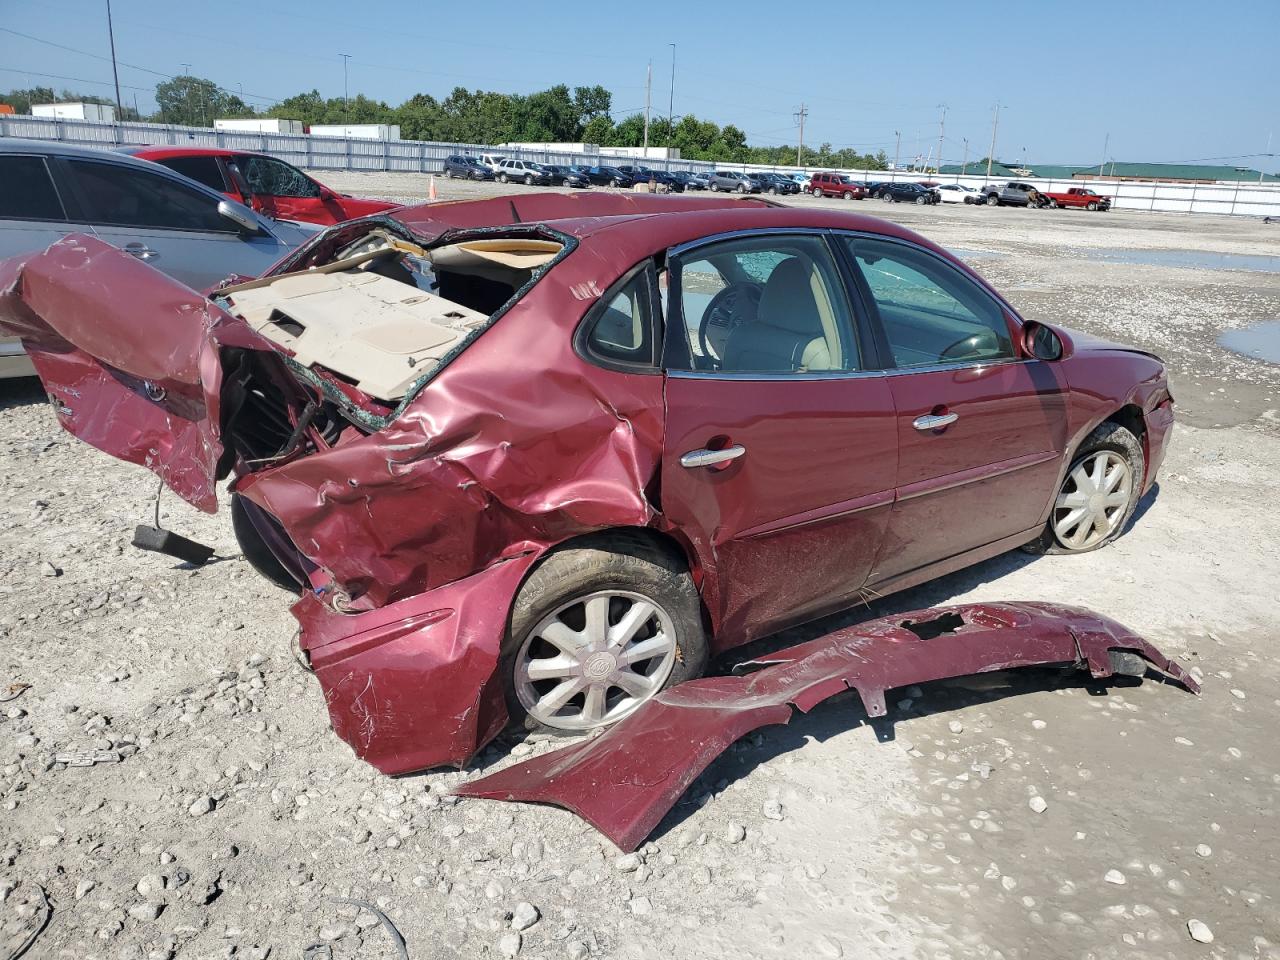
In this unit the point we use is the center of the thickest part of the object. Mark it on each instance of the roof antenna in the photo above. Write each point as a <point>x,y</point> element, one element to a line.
<point>158,540</point>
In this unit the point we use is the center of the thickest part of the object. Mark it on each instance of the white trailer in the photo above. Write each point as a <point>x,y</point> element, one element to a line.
<point>75,111</point>
<point>357,131</point>
<point>262,125</point>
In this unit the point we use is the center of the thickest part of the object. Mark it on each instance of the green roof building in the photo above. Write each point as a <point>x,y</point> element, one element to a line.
<point>1114,170</point>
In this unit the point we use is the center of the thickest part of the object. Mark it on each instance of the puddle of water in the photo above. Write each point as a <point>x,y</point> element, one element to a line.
<point>1261,341</point>
<point>1188,258</point>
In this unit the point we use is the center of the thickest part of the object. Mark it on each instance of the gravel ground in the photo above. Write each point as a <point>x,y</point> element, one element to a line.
<point>1028,815</point>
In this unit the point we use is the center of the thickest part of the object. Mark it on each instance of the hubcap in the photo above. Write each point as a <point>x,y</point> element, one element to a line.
<point>1093,500</point>
<point>594,660</point>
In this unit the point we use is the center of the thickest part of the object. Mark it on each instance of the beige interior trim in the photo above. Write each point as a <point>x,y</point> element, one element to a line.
<point>827,314</point>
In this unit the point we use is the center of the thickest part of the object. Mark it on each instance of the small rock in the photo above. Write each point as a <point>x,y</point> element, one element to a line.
<point>201,807</point>
<point>1239,695</point>
<point>83,888</point>
<point>1115,876</point>
<point>578,950</point>
<point>735,833</point>
<point>146,911</point>
<point>1204,850</point>
<point>1038,724</point>
<point>509,946</point>
<point>1038,804</point>
<point>955,726</point>
<point>772,809</point>
<point>524,916</point>
<point>1199,931</point>
<point>628,863</point>
<point>641,906</point>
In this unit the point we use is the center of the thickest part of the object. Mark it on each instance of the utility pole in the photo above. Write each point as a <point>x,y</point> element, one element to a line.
<point>648,84</point>
<point>942,126</point>
<point>186,69</point>
<point>346,99</point>
<point>799,117</point>
<point>1261,172</point>
<point>964,164</point>
<point>671,105</point>
<point>111,35</point>
<point>995,125</point>
<point>897,147</point>
<point>1106,142</point>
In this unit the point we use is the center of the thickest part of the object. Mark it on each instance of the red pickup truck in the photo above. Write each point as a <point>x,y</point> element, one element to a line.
<point>1079,197</point>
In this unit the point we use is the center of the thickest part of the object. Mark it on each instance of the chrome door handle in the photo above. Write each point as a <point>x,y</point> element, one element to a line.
<point>932,421</point>
<point>140,250</point>
<point>709,458</point>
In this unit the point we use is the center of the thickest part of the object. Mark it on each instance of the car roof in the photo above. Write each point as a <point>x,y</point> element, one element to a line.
<point>168,151</point>
<point>639,225</point>
<point>52,148</point>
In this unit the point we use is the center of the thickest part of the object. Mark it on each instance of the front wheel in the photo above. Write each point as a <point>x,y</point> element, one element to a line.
<point>1098,495</point>
<point>848,194</point>
<point>993,200</point>
<point>1091,206</point>
<point>597,630</point>
<point>448,174</point>
<point>528,180</point>
<point>503,178</point>
<point>742,188</point>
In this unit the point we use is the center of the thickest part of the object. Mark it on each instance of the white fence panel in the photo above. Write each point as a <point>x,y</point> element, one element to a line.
<point>337,153</point>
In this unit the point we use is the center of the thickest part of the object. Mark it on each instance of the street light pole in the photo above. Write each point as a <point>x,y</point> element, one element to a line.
<point>1106,142</point>
<point>995,125</point>
<point>942,126</point>
<point>648,85</point>
<point>897,147</point>
<point>964,164</point>
<point>111,35</point>
<point>346,98</point>
<point>671,105</point>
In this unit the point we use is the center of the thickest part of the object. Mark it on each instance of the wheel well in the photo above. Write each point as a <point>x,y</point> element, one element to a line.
<point>1130,417</point>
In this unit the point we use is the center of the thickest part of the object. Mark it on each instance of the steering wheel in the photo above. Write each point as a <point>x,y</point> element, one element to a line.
<point>978,343</point>
<point>729,309</point>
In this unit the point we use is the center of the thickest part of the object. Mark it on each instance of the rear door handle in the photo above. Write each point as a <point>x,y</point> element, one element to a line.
<point>140,250</point>
<point>710,458</point>
<point>934,421</point>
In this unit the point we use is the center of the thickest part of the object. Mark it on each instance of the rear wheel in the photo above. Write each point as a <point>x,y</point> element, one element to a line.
<point>817,192</point>
<point>1098,495</point>
<point>887,197</point>
<point>921,200</point>
<point>598,629</point>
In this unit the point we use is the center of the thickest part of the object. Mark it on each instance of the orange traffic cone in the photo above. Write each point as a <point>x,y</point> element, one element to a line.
<point>431,192</point>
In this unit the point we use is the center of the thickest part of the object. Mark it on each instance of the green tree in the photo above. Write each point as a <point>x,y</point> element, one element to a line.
<point>195,101</point>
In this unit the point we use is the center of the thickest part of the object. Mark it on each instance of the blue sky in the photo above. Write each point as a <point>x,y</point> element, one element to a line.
<point>1173,81</point>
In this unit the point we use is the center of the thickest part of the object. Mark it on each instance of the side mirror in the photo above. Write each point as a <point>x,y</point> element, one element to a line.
<point>240,215</point>
<point>1043,342</point>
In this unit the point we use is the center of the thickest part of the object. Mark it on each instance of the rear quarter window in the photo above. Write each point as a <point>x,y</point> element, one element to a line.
<point>204,170</point>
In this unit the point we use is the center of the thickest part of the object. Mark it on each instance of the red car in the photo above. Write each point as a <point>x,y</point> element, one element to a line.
<point>268,185</point>
<point>541,456</point>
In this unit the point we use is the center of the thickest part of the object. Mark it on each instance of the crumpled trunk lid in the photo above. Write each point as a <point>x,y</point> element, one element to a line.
<point>129,357</point>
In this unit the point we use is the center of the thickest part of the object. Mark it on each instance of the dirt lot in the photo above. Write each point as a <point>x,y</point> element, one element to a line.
<point>236,817</point>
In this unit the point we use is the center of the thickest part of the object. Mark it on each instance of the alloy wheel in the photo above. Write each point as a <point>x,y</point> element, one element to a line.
<point>1093,501</point>
<point>594,659</point>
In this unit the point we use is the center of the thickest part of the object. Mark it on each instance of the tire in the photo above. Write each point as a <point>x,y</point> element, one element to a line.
<point>503,178</point>
<point>255,549</point>
<point>742,188</point>
<point>921,201</point>
<point>628,568</point>
<point>993,200</point>
<point>1052,204</point>
<point>448,174</point>
<point>1091,205</point>
<point>848,194</point>
<point>773,191</point>
<point>715,187</point>
<point>1114,444</point>
<point>817,192</point>
<point>528,180</point>
<point>567,183</point>
<point>887,197</point>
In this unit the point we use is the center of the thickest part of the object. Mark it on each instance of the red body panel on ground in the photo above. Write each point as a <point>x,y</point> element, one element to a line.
<point>624,781</point>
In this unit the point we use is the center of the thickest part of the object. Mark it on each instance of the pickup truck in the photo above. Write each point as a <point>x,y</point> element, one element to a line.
<point>1013,194</point>
<point>1079,197</point>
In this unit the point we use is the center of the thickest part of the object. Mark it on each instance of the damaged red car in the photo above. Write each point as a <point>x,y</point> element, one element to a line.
<point>541,457</point>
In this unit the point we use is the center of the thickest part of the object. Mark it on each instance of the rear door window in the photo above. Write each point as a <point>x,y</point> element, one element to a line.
<point>28,192</point>
<point>120,195</point>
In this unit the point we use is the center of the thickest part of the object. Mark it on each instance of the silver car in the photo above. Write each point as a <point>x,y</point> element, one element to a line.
<point>194,234</point>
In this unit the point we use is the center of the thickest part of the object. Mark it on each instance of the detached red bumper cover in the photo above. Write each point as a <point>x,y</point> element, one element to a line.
<point>626,780</point>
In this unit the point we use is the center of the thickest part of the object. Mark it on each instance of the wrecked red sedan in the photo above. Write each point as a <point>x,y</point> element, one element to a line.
<point>540,457</point>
